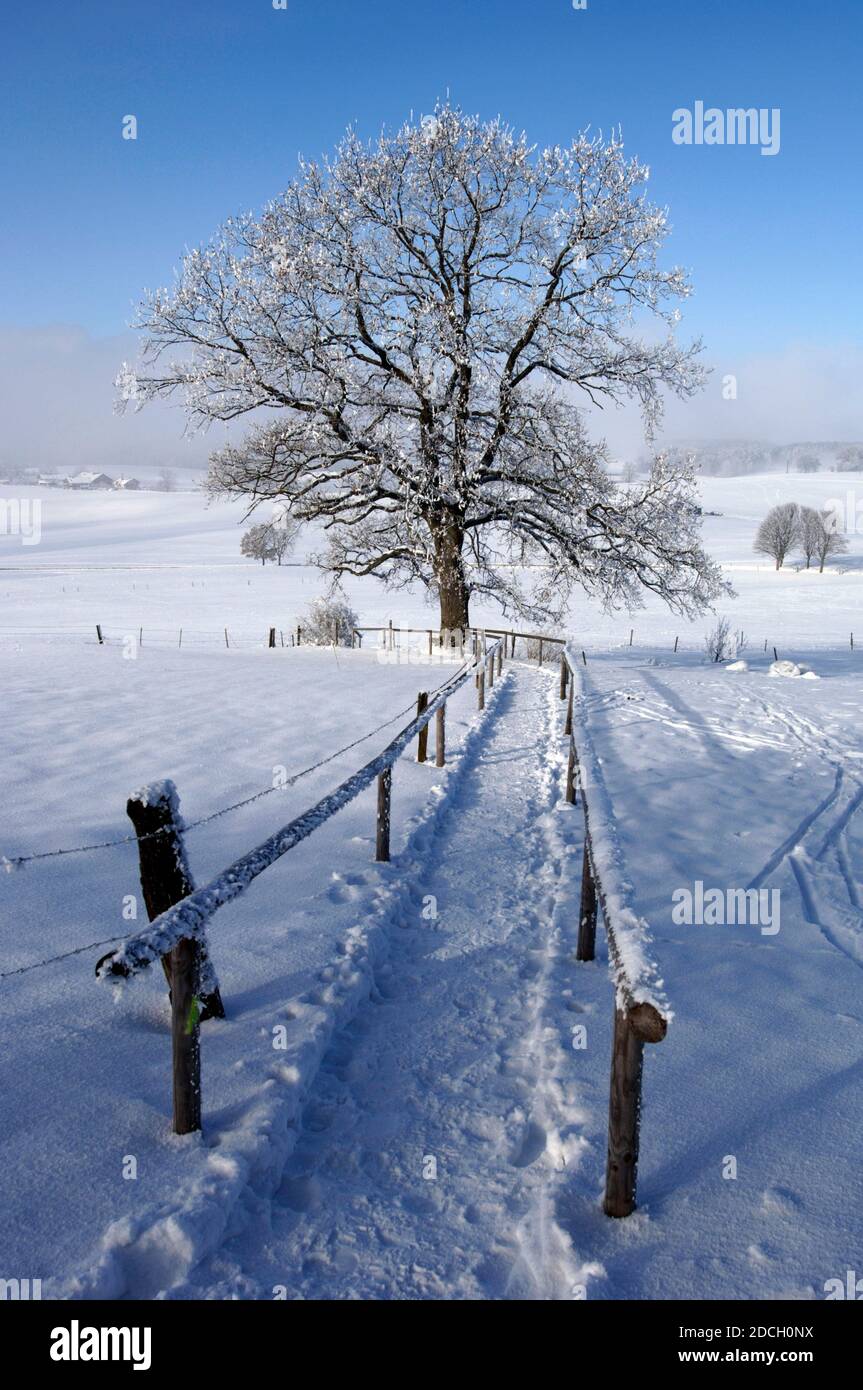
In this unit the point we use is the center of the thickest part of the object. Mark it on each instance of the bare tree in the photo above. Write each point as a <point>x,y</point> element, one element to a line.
<point>422,315</point>
<point>270,540</point>
<point>829,539</point>
<point>808,463</point>
<point>256,543</point>
<point>811,533</point>
<point>779,532</point>
<point>716,642</point>
<point>166,481</point>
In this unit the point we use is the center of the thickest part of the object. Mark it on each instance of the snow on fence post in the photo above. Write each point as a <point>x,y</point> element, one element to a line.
<point>423,735</point>
<point>440,737</point>
<point>166,880</point>
<point>385,783</point>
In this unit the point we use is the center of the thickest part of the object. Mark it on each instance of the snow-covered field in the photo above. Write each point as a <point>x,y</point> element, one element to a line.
<point>414,1037</point>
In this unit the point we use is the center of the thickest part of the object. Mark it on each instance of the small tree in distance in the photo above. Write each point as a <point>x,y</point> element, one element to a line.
<point>828,539</point>
<point>779,532</point>
<point>256,544</point>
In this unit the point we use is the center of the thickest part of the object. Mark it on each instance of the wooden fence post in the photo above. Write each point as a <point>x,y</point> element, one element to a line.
<point>99,633</point>
<point>490,665</point>
<point>165,880</point>
<point>299,635</point>
<point>385,782</point>
<point>624,1105</point>
<point>480,687</point>
<point>227,643</point>
<point>440,737</point>
<point>272,638</point>
<point>570,775</point>
<point>539,663</point>
<point>586,949</point>
<point>500,655</point>
<point>564,676</point>
<point>423,736</point>
<point>567,728</point>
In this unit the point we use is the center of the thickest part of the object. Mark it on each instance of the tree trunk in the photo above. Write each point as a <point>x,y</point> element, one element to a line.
<point>453,588</point>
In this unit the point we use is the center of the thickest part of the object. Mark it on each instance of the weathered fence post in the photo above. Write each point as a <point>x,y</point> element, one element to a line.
<point>570,774</point>
<point>385,782</point>
<point>272,638</point>
<point>500,655</point>
<point>423,736</point>
<point>99,633</point>
<point>165,880</point>
<point>633,1027</point>
<point>490,665</point>
<point>564,676</point>
<point>586,949</point>
<point>480,687</point>
<point>567,728</point>
<point>440,737</point>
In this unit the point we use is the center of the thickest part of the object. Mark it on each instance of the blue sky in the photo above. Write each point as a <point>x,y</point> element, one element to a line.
<point>227,92</point>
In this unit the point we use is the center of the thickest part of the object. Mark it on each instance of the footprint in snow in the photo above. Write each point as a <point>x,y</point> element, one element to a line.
<point>532,1146</point>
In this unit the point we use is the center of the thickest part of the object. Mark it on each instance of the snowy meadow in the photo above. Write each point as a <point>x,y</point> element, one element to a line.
<point>309,1174</point>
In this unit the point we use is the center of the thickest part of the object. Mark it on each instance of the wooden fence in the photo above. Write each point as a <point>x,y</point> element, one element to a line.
<point>637,1019</point>
<point>179,913</point>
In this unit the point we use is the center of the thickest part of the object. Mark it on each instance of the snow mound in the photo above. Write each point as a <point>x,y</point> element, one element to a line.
<point>792,668</point>
<point>738,666</point>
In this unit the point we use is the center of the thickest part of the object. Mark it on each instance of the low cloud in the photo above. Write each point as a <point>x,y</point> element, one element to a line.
<point>60,395</point>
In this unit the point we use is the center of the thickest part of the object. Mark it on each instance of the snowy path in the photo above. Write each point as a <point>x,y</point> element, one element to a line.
<point>444,1118</point>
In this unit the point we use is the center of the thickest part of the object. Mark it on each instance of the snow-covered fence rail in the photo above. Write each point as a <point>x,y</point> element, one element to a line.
<point>641,1011</point>
<point>177,931</point>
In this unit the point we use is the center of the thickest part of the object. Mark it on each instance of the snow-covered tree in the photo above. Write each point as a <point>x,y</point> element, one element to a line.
<point>255,543</point>
<point>829,540</point>
<point>270,540</point>
<point>422,316</point>
<point>330,621</point>
<point>779,532</point>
